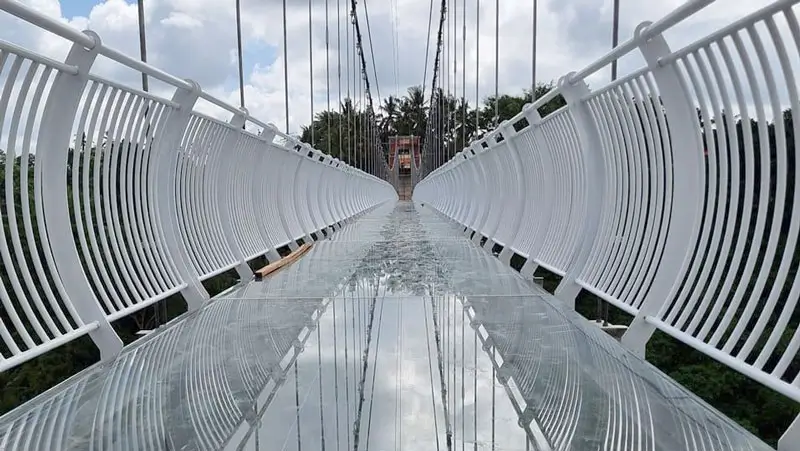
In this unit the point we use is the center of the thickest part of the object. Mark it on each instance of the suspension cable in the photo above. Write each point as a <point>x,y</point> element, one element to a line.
<point>477,68</point>
<point>453,105</point>
<point>475,390</point>
<point>321,397</point>
<point>285,68</point>
<point>297,403</point>
<point>395,48</point>
<point>436,96</point>
<point>239,48</point>
<point>347,371</point>
<point>430,363</point>
<point>336,376</point>
<point>311,68</point>
<point>446,83</point>
<point>497,63</point>
<point>463,364</point>
<point>372,52</point>
<point>349,100</point>
<point>533,49</point>
<point>327,78</point>
<point>463,76</point>
<point>360,50</point>
<point>427,51</point>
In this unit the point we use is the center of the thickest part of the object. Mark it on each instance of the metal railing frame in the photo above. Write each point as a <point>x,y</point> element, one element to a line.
<point>176,197</point>
<point>619,199</point>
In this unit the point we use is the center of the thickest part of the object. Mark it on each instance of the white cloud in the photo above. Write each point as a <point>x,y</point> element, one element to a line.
<point>197,39</point>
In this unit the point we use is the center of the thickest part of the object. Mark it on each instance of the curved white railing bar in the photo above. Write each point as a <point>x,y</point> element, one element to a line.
<point>670,193</point>
<point>151,199</point>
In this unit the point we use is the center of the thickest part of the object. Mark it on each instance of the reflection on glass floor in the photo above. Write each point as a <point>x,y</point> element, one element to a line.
<point>396,333</point>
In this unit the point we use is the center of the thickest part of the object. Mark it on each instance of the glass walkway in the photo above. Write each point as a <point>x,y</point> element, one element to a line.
<point>395,333</point>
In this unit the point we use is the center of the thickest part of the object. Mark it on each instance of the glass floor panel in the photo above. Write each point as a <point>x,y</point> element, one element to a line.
<point>396,333</point>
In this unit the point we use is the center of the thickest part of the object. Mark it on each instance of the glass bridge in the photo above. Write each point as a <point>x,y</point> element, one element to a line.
<point>396,333</point>
<point>669,193</point>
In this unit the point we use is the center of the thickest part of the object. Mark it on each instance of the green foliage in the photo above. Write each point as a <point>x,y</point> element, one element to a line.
<point>342,133</point>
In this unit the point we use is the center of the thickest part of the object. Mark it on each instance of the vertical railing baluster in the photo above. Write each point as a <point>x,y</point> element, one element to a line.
<point>686,208</point>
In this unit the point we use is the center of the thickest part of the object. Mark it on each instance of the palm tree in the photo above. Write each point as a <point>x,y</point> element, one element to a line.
<point>413,113</point>
<point>391,110</point>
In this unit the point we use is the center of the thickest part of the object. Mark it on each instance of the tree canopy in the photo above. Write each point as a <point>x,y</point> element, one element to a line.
<point>341,133</point>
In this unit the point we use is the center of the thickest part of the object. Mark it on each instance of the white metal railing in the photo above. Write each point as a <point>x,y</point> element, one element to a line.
<point>152,198</point>
<point>670,193</point>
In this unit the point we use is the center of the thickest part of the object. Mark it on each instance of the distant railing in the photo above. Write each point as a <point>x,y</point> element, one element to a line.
<point>670,193</point>
<point>151,199</point>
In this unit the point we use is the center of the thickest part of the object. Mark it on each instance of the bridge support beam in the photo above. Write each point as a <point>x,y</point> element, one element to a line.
<point>685,214</point>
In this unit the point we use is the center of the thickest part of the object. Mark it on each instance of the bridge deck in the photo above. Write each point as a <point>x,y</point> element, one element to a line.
<point>395,333</point>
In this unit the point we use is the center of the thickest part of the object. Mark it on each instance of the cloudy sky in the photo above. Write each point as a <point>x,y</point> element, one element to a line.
<point>197,39</point>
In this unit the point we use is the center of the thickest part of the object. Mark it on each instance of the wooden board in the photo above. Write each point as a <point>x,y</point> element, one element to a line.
<point>288,260</point>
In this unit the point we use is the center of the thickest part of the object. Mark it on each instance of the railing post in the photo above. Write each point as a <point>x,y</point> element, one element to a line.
<point>53,145</point>
<point>685,213</point>
<point>510,135</point>
<point>268,135</point>
<point>226,169</point>
<point>166,151</point>
<point>594,184</point>
<point>534,121</point>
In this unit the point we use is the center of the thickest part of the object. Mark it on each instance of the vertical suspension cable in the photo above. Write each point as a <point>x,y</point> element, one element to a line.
<point>285,68</point>
<point>463,76</point>
<point>475,390</point>
<point>400,401</point>
<point>375,369</point>
<point>430,366</point>
<point>397,363</point>
<point>395,48</point>
<point>143,41</point>
<point>297,404</point>
<point>239,49</point>
<point>321,398</point>
<point>427,52</point>
<point>494,396</point>
<point>339,70</point>
<point>311,68</point>
<point>372,52</point>
<point>446,86</point>
<point>463,364</point>
<point>477,68</point>
<point>454,105</point>
<point>347,372</point>
<point>349,100</point>
<point>615,38</point>
<point>453,317</point>
<point>533,49</point>
<point>327,78</point>
<point>336,376</point>
<point>497,63</point>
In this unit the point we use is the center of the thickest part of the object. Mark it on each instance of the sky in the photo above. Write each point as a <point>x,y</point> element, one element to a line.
<point>196,39</point>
